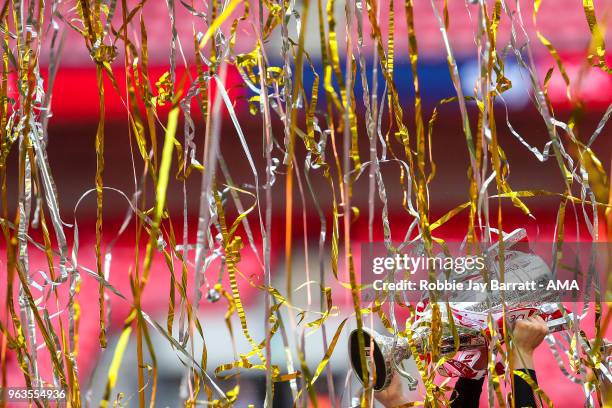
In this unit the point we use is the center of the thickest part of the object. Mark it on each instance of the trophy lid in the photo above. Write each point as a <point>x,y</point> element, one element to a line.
<point>372,351</point>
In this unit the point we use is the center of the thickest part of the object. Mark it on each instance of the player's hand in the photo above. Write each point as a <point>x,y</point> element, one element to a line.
<point>527,335</point>
<point>393,395</point>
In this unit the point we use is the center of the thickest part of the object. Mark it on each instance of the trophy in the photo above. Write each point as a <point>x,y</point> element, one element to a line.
<point>470,312</point>
<point>385,354</point>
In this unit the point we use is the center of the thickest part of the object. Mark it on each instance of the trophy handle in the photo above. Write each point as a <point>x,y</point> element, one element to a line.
<point>411,381</point>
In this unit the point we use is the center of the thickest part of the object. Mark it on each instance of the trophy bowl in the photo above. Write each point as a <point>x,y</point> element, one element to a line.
<point>381,352</point>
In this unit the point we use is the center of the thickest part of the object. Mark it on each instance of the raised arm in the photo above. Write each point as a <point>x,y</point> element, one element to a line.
<point>527,335</point>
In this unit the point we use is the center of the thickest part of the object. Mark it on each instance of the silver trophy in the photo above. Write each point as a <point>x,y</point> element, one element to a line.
<point>385,354</point>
